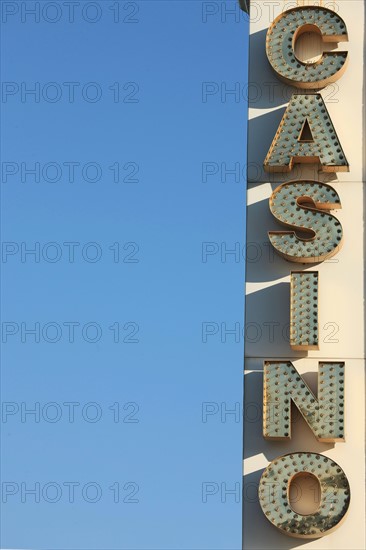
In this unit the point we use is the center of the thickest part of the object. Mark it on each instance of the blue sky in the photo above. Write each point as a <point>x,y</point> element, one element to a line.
<point>129,292</point>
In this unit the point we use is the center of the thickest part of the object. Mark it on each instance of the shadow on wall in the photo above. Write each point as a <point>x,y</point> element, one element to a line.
<point>263,263</point>
<point>267,332</point>
<point>257,530</point>
<point>261,131</point>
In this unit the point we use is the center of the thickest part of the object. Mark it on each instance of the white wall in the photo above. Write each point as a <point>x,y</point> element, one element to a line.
<point>341,289</point>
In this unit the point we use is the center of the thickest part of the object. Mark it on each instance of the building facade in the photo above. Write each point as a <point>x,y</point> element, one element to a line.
<point>304,395</point>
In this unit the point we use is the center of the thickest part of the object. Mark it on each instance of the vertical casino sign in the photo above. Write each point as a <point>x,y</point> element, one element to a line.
<point>311,234</point>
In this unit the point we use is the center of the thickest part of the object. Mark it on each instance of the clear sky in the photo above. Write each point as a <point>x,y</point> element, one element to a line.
<point>130,370</point>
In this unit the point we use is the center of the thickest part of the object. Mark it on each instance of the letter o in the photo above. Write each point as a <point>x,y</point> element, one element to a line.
<point>274,496</point>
